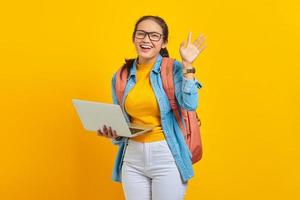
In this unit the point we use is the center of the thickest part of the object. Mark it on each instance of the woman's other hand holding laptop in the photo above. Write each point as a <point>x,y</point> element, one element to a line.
<point>107,132</point>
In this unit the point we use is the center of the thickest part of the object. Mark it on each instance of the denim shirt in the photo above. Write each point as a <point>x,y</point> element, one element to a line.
<point>186,92</point>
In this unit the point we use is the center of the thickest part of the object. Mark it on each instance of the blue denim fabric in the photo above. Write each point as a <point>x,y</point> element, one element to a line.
<point>186,92</point>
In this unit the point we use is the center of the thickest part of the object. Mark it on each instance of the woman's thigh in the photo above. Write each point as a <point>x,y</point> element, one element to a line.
<point>136,185</point>
<point>149,172</point>
<point>167,183</point>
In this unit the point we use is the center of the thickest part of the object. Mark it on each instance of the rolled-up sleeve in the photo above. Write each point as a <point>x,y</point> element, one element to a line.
<point>186,90</point>
<point>190,86</point>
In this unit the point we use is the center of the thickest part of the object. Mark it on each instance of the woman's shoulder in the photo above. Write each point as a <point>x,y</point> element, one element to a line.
<point>127,64</point>
<point>177,65</point>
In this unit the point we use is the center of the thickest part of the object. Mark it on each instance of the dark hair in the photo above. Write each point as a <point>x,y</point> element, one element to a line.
<point>163,51</point>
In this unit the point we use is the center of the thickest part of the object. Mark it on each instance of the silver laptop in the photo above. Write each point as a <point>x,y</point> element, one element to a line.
<point>93,115</point>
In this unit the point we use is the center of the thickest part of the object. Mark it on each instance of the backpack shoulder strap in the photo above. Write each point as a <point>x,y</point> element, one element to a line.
<point>167,80</point>
<point>167,68</point>
<point>121,80</point>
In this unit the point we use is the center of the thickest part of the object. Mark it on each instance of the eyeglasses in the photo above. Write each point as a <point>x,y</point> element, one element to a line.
<point>153,36</point>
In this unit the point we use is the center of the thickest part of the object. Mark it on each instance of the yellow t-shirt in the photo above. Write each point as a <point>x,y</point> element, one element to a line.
<point>142,106</point>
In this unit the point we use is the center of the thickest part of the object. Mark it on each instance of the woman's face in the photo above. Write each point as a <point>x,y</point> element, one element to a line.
<point>147,49</point>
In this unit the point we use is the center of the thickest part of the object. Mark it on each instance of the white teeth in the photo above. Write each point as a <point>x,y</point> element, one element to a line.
<point>146,46</point>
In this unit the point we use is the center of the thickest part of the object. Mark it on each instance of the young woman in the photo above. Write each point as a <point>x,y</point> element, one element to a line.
<point>157,164</point>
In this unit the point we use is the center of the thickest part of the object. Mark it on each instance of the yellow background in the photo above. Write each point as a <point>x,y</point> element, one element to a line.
<point>53,51</point>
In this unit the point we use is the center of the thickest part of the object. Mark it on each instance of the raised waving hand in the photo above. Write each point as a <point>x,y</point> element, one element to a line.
<point>190,51</point>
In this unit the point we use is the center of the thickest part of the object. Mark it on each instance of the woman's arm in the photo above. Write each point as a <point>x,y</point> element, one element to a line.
<point>186,86</point>
<point>186,90</point>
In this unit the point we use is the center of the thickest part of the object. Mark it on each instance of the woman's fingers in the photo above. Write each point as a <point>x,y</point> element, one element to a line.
<point>202,48</point>
<point>114,134</point>
<point>107,132</point>
<point>102,132</point>
<point>99,132</point>
<point>189,38</point>
<point>110,134</point>
<point>199,41</point>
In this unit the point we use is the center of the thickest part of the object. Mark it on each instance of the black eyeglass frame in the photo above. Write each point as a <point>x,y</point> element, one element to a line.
<point>148,33</point>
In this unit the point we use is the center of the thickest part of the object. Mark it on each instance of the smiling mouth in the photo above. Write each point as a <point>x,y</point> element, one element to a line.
<point>145,47</point>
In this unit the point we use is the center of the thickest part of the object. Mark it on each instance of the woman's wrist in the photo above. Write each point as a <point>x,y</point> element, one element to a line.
<point>189,76</point>
<point>187,65</point>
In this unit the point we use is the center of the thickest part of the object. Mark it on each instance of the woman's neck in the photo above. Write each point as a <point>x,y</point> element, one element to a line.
<point>143,61</point>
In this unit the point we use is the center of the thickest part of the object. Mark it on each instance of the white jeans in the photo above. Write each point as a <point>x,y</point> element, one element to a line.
<point>149,172</point>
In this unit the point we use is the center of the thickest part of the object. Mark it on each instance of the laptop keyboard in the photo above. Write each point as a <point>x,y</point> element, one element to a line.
<point>135,130</point>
